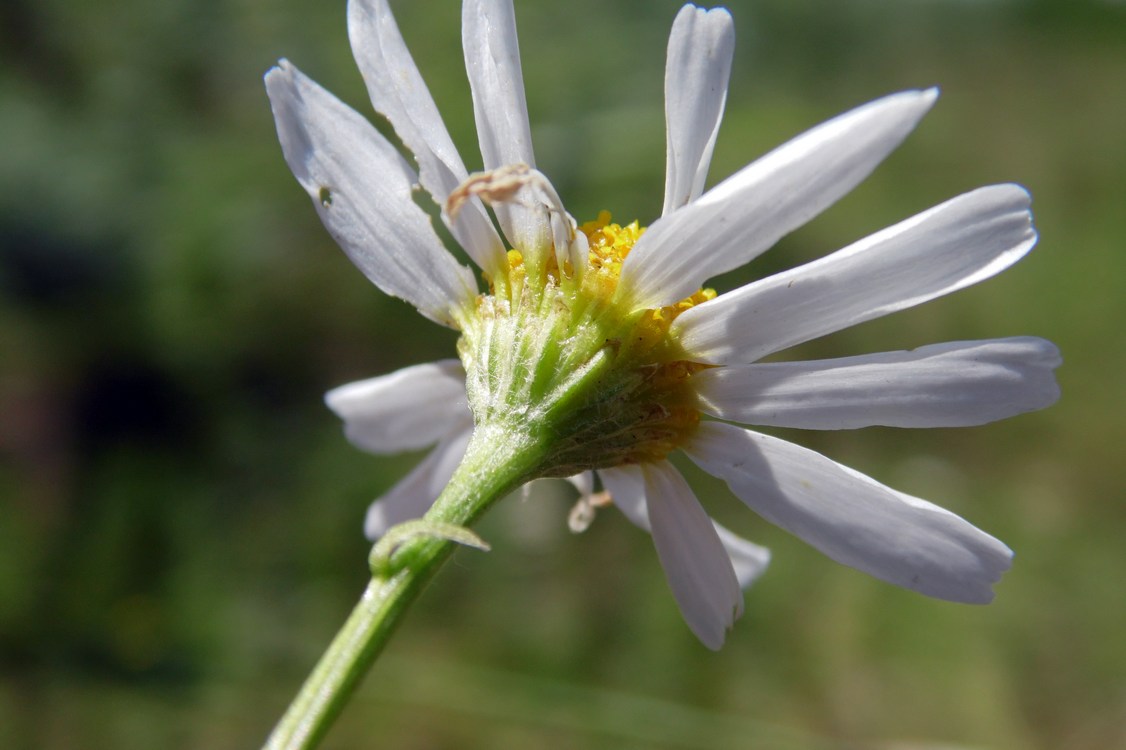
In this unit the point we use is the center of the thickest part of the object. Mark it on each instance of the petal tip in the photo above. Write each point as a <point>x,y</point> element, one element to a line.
<point>712,638</point>
<point>375,521</point>
<point>279,74</point>
<point>978,587</point>
<point>716,15</point>
<point>333,398</point>
<point>918,102</point>
<point>1017,194</point>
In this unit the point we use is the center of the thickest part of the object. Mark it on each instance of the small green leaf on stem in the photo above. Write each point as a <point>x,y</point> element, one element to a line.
<point>382,558</point>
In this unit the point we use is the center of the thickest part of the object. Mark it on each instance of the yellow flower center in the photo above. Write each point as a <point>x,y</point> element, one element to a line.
<point>557,353</point>
<point>609,245</point>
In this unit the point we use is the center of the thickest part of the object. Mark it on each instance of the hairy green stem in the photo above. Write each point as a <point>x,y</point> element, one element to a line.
<point>496,462</point>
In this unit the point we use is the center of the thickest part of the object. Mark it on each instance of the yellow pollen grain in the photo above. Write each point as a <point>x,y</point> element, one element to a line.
<point>610,243</point>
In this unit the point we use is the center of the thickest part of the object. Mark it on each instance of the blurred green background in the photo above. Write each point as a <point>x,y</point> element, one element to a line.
<point>180,517</point>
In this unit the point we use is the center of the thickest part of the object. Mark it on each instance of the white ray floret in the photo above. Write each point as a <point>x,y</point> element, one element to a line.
<point>748,212</point>
<point>398,92</point>
<point>696,564</point>
<point>361,187</point>
<point>852,518</point>
<point>698,67</point>
<point>959,384</point>
<point>947,248</point>
<point>404,410</point>
<point>492,60</point>
<point>626,485</point>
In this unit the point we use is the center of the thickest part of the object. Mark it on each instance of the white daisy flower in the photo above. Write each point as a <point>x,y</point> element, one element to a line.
<point>595,347</point>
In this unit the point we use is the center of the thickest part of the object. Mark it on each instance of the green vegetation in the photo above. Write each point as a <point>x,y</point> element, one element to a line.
<point>180,517</point>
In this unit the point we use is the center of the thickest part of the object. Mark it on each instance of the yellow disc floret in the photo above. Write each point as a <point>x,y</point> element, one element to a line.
<point>609,245</point>
<point>553,351</point>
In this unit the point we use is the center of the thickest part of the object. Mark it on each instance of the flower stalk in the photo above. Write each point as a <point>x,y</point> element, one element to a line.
<point>402,564</point>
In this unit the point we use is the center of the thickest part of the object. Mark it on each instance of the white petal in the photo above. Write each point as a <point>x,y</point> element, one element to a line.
<point>749,560</point>
<point>492,60</point>
<point>405,410</point>
<point>627,489</point>
<point>413,496</point>
<point>949,247</point>
<point>696,74</point>
<point>749,211</point>
<point>943,385</point>
<point>361,188</point>
<point>851,518</point>
<point>583,482</point>
<point>695,562</point>
<point>626,485</point>
<point>399,94</point>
